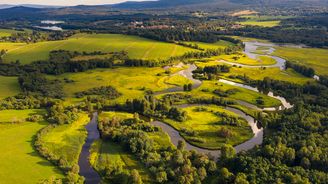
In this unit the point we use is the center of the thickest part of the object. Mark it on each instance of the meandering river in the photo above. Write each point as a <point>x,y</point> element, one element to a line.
<point>91,176</point>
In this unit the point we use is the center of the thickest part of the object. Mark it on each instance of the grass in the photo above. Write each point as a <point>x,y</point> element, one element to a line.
<point>136,47</point>
<point>220,44</point>
<point>274,73</point>
<point>272,23</point>
<point>106,154</point>
<point>177,80</point>
<point>207,88</point>
<point>66,141</point>
<point>131,82</point>
<point>6,32</point>
<point>9,87</point>
<point>161,139</point>
<point>205,125</point>
<point>311,57</point>
<point>20,163</point>
<point>243,59</point>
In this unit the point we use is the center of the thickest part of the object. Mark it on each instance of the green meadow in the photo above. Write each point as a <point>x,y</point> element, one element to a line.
<point>243,59</point>
<point>206,125</point>
<point>136,47</point>
<point>66,141</point>
<point>20,163</point>
<point>8,86</point>
<point>312,57</point>
<point>132,82</point>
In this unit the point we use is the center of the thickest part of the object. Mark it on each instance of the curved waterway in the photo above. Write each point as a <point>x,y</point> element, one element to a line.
<point>257,131</point>
<point>268,49</point>
<point>91,176</point>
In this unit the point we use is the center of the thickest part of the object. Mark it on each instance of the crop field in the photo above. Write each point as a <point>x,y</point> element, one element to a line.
<point>311,57</point>
<point>20,163</point>
<point>206,125</point>
<point>66,141</point>
<point>137,47</point>
<point>272,23</point>
<point>131,82</point>
<point>9,87</point>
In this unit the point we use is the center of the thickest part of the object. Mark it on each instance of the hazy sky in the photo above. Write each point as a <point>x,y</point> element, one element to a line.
<point>63,2</point>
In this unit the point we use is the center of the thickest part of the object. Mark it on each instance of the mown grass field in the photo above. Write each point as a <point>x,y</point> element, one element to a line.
<point>311,57</point>
<point>6,32</point>
<point>220,44</point>
<point>131,82</point>
<point>137,47</point>
<point>20,163</point>
<point>272,23</point>
<point>9,87</point>
<point>264,21</point>
<point>206,126</point>
<point>66,141</point>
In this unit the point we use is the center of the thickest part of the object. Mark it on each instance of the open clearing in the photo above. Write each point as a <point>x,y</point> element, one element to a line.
<point>20,163</point>
<point>137,47</point>
<point>206,125</point>
<point>66,141</point>
<point>131,82</point>
<point>243,59</point>
<point>8,87</point>
<point>312,57</point>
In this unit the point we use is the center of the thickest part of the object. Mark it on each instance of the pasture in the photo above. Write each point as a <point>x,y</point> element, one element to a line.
<point>66,141</point>
<point>205,126</point>
<point>9,87</point>
<point>311,57</point>
<point>241,58</point>
<point>136,47</point>
<point>20,163</point>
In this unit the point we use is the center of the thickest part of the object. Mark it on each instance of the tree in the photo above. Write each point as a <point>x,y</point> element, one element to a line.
<point>181,145</point>
<point>135,177</point>
<point>161,177</point>
<point>241,178</point>
<point>228,152</point>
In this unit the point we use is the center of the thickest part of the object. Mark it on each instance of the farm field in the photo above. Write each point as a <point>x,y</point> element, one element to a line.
<point>65,141</point>
<point>220,44</point>
<point>131,82</point>
<point>9,86</point>
<point>311,57</point>
<point>136,47</point>
<point>203,126</point>
<point>20,163</point>
<point>261,23</point>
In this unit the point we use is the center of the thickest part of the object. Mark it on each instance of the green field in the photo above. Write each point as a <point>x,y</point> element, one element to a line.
<point>131,82</point>
<point>66,141</point>
<point>243,59</point>
<point>137,47</point>
<point>20,163</point>
<point>6,32</point>
<point>109,154</point>
<point>220,44</point>
<point>9,87</point>
<point>261,23</point>
<point>311,57</point>
<point>206,125</point>
<point>274,73</point>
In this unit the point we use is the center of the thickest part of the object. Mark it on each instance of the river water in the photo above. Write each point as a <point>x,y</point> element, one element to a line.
<point>86,169</point>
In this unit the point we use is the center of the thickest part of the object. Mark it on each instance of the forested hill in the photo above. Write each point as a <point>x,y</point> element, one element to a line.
<point>220,3</point>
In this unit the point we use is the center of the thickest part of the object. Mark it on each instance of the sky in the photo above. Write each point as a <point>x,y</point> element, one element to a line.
<point>63,2</point>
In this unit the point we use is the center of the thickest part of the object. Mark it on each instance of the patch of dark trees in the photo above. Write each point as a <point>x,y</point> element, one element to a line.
<point>304,70</point>
<point>107,92</point>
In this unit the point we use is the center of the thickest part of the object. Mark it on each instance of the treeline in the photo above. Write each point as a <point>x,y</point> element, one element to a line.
<point>39,84</point>
<point>107,92</point>
<point>151,107</point>
<point>36,36</point>
<point>304,70</point>
<point>167,165</point>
